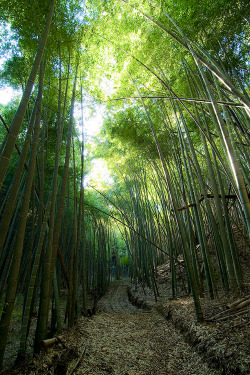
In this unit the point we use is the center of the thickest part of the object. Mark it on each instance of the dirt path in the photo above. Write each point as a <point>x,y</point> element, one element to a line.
<point>120,339</point>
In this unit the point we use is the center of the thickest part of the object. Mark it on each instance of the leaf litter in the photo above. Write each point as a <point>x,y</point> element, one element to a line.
<point>129,341</point>
<point>121,340</point>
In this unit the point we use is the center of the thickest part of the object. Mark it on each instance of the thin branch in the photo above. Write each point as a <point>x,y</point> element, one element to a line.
<point>232,104</point>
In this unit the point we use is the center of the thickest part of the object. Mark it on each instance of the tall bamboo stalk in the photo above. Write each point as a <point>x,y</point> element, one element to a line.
<point>198,310</point>
<point>18,245</point>
<point>18,118</point>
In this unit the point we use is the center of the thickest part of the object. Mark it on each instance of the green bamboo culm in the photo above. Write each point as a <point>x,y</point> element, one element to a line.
<point>195,292</point>
<point>19,241</point>
<point>18,118</point>
<point>51,256</point>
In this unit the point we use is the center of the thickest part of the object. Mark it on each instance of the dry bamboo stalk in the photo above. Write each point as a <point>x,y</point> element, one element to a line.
<point>243,304</point>
<point>241,324</point>
<point>234,308</point>
<point>49,342</point>
<point>81,356</point>
<point>209,196</point>
<point>233,314</point>
<point>229,306</point>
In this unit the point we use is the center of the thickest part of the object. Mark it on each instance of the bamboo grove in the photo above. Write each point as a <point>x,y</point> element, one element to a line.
<point>176,136</point>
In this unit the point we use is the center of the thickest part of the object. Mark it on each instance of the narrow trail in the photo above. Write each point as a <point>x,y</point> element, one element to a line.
<point>121,339</point>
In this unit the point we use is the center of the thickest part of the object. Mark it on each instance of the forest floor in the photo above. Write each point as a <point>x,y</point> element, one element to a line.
<point>119,339</point>
<point>223,339</point>
<point>132,333</point>
<point>122,339</point>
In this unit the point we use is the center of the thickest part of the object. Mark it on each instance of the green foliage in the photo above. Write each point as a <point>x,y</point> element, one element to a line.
<point>124,260</point>
<point>15,72</point>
